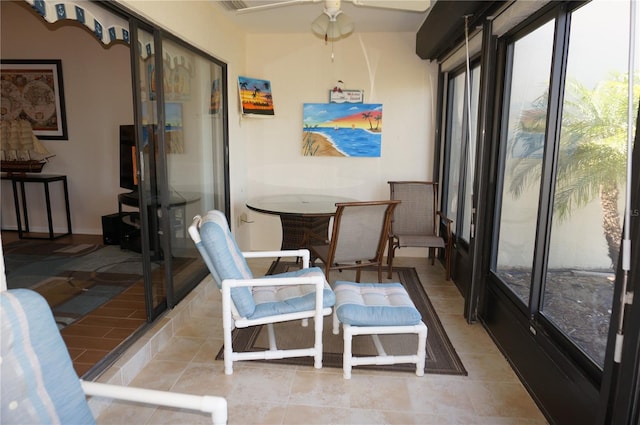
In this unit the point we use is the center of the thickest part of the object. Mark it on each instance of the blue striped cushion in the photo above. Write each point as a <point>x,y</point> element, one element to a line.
<point>227,259</point>
<point>39,384</point>
<point>272,300</point>
<point>374,304</point>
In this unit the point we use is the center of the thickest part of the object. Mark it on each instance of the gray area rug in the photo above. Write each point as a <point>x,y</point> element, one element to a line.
<point>441,357</point>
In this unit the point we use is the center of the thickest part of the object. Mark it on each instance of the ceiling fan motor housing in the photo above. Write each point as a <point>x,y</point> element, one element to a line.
<point>332,8</point>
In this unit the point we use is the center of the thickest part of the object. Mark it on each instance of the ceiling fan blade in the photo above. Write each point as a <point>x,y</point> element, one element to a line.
<point>409,5</point>
<point>271,5</point>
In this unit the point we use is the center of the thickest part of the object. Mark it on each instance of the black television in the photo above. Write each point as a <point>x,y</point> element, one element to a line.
<point>128,158</point>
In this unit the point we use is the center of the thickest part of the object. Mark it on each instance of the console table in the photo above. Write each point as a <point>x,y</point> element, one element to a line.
<point>22,213</point>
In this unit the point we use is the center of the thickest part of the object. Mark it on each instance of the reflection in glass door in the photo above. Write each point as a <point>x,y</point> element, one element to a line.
<point>149,184</point>
<point>526,113</point>
<point>590,184</point>
<point>455,131</point>
<point>561,199</point>
<point>194,130</point>
<point>466,231</point>
<point>183,164</point>
<point>181,137</point>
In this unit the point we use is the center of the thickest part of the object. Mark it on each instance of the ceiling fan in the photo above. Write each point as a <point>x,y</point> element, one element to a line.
<point>332,24</point>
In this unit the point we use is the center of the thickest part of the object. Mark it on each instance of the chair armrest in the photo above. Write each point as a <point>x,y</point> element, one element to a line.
<point>304,253</point>
<point>216,406</point>
<point>446,220</point>
<point>275,281</point>
<point>444,217</point>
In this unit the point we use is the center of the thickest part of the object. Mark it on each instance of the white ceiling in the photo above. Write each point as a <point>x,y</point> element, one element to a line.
<point>296,18</point>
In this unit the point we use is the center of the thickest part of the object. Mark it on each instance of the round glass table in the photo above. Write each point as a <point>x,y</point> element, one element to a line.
<point>299,214</point>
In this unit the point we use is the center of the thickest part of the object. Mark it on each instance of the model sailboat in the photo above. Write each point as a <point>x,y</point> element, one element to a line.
<point>21,150</point>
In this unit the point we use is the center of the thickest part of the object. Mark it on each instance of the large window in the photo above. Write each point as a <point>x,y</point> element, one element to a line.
<point>454,142</point>
<point>542,265</point>
<point>563,171</point>
<point>590,183</point>
<point>469,172</point>
<point>525,119</point>
<point>461,141</point>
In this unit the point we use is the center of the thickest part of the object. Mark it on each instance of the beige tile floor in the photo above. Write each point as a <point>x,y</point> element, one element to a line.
<point>258,393</point>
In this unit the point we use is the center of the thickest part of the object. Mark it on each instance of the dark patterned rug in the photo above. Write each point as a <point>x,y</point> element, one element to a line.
<point>441,356</point>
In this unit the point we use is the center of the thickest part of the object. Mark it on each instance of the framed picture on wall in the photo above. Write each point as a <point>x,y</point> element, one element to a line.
<point>255,96</point>
<point>342,129</point>
<point>32,90</point>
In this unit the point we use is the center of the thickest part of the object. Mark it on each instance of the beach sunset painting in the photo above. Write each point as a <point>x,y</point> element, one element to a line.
<point>342,129</point>
<point>255,96</point>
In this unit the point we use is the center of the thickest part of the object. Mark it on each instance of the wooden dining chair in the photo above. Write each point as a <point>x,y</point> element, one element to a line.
<point>358,238</point>
<point>416,221</point>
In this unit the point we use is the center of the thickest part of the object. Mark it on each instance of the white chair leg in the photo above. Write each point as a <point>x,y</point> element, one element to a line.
<point>227,324</point>
<point>422,349</point>
<point>272,337</point>
<point>318,344</point>
<point>228,349</point>
<point>346,356</point>
<point>336,323</point>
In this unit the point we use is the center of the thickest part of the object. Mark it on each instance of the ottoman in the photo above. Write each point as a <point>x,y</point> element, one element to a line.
<point>375,309</point>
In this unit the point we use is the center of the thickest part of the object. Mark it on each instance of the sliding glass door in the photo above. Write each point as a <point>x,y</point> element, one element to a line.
<point>194,150</point>
<point>181,131</point>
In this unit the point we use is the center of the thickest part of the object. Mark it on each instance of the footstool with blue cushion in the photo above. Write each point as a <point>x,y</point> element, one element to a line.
<point>375,309</point>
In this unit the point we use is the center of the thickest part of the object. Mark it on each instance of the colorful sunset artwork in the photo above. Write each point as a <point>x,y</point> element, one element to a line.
<point>255,96</point>
<point>342,129</point>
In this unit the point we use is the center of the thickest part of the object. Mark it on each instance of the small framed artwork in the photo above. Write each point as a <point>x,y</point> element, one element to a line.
<point>173,131</point>
<point>33,90</point>
<point>255,96</point>
<point>346,96</point>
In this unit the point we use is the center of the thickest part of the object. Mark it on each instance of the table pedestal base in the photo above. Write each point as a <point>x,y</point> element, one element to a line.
<point>294,228</point>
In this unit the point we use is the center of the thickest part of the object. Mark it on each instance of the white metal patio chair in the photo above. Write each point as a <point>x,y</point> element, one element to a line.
<point>39,384</point>
<point>249,301</point>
